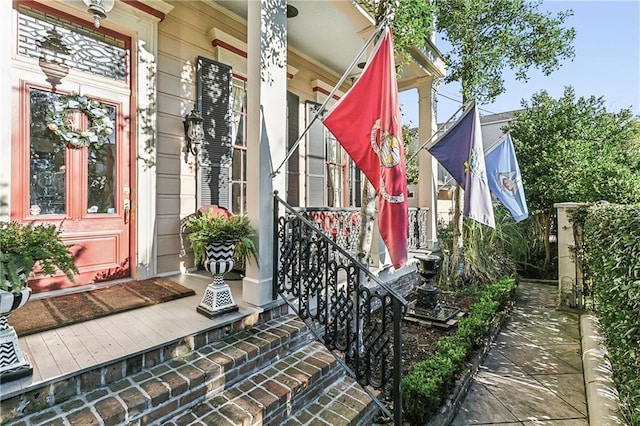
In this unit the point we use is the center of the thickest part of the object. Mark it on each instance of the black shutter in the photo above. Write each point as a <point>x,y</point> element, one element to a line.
<point>316,160</point>
<point>293,165</point>
<point>214,82</point>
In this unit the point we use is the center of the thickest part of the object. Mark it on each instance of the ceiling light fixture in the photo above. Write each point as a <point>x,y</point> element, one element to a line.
<point>99,9</point>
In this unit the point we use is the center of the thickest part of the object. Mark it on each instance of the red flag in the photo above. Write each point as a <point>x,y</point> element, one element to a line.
<point>366,122</point>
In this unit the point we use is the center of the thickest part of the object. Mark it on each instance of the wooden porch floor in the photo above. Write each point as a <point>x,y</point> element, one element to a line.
<point>65,351</point>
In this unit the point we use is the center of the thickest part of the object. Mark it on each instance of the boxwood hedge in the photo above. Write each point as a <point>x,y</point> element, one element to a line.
<point>611,258</point>
<point>432,380</point>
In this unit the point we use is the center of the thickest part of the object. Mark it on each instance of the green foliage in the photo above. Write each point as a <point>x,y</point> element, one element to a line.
<point>490,35</point>
<point>488,253</point>
<point>532,264</point>
<point>22,246</point>
<point>208,227</point>
<point>611,259</point>
<point>431,381</point>
<point>412,21</point>
<point>575,150</point>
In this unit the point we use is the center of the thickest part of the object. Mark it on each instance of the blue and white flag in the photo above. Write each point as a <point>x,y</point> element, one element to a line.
<point>461,153</point>
<point>505,181</point>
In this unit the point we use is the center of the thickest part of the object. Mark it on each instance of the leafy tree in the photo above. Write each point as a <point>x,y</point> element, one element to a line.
<point>411,21</point>
<point>575,150</point>
<point>488,36</point>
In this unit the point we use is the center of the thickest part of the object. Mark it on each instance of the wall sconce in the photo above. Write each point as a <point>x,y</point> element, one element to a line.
<point>194,131</point>
<point>99,9</point>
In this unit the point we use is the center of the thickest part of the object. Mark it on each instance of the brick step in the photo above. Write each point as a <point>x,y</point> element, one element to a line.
<point>26,397</point>
<point>345,403</point>
<point>154,394</point>
<point>301,388</point>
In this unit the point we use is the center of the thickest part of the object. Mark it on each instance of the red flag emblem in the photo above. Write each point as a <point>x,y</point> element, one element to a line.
<point>366,122</point>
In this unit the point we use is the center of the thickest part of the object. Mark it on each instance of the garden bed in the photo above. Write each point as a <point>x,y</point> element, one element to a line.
<point>438,363</point>
<point>419,342</point>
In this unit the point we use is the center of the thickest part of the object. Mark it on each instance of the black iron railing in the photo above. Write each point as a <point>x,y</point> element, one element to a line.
<point>356,316</point>
<point>342,225</point>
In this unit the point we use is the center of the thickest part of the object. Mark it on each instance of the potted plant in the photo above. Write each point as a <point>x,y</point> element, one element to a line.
<point>23,247</point>
<point>219,239</point>
<point>210,227</point>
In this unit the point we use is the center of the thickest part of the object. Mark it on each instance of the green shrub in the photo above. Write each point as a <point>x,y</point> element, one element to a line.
<point>431,381</point>
<point>611,261</point>
<point>25,246</point>
<point>488,253</point>
<point>453,349</point>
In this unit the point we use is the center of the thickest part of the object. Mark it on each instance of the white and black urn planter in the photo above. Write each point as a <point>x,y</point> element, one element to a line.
<point>217,298</point>
<point>13,363</point>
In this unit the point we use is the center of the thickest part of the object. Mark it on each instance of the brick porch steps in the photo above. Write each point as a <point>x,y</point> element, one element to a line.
<point>273,363</point>
<point>306,387</point>
<point>344,403</point>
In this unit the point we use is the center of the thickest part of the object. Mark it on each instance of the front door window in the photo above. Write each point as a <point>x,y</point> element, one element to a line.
<point>48,161</point>
<point>52,161</point>
<point>101,175</point>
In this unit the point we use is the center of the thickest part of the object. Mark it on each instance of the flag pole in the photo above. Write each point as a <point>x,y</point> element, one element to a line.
<point>320,110</point>
<point>444,128</point>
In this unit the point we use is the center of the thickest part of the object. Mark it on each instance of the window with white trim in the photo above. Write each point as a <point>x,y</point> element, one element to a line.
<point>239,145</point>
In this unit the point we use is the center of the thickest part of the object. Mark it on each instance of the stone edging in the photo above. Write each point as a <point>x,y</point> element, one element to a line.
<point>602,396</point>
<point>449,408</point>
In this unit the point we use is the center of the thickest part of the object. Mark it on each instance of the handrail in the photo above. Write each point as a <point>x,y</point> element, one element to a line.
<point>346,254</point>
<point>357,316</point>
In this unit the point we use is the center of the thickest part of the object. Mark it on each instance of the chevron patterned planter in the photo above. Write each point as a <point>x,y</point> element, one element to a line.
<point>217,298</point>
<point>13,363</point>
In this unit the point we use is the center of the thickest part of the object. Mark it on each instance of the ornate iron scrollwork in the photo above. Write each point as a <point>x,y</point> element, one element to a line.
<point>352,312</point>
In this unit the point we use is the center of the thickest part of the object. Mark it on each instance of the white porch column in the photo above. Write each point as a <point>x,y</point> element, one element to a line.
<point>266,134</point>
<point>427,190</point>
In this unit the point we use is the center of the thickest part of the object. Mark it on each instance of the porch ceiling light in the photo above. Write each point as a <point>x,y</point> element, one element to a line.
<point>193,131</point>
<point>99,9</point>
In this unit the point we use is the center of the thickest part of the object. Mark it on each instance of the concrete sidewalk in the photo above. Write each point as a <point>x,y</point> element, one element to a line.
<point>533,374</point>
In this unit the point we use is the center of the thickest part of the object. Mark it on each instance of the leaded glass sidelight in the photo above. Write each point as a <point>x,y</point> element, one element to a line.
<point>48,163</point>
<point>101,177</point>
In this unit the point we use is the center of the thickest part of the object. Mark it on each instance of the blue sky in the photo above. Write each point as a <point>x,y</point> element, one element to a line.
<point>606,63</point>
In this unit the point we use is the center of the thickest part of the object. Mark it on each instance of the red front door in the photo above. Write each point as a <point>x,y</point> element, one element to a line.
<point>84,190</point>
